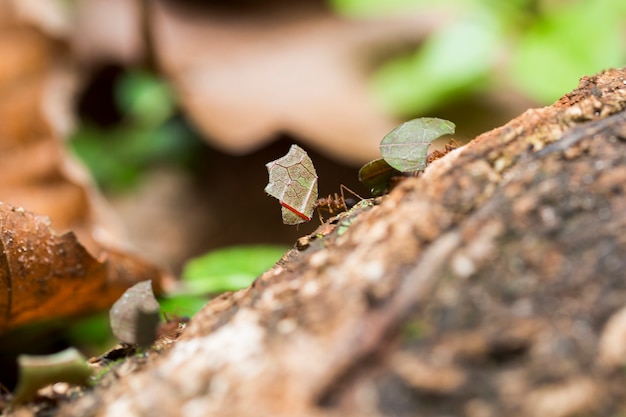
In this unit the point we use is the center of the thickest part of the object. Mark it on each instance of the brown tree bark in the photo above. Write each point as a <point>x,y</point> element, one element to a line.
<point>492,285</point>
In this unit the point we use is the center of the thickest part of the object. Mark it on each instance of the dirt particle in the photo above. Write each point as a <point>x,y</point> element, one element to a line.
<point>612,344</point>
<point>427,377</point>
<point>463,266</point>
<point>374,270</point>
<point>318,259</point>
<point>574,397</point>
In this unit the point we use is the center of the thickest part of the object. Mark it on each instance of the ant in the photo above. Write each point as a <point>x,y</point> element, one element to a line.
<point>336,203</point>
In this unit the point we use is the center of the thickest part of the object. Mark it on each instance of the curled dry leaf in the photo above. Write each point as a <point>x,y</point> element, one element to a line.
<point>135,316</point>
<point>44,275</point>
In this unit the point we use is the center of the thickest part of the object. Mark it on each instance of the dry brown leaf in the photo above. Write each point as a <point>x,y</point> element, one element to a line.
<point>93,41</point>
<point>247,72</point>
<point>45,274</point>
<point>39,175</point>
<point>244,79</point>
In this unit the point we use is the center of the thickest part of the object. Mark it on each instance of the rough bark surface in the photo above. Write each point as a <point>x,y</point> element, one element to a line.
<point>492,285</point>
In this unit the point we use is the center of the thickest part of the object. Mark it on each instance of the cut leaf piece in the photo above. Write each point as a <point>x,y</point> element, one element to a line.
<point>135,316</point>
<point>405,148</point>
<point>293,181</point>
<point>38,371</point>
<point>376,176</point>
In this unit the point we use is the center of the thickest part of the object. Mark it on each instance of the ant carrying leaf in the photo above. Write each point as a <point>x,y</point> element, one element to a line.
<point>293,181</point>
<point>404,152</point>
<point>405,147</point>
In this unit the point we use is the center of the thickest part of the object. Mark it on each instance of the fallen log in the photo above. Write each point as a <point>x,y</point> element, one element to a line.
<point>492,285</point>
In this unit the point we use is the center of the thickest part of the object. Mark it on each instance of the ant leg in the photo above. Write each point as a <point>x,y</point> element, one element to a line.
<point>343,187</point>
<point>334,203</point>
<point>319,214</point>
<point>343,197</point>
<point>322,202</point>
<point>454,144</point>
<point>330,200</point>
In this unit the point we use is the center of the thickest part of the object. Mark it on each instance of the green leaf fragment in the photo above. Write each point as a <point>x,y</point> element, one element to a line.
<point>376,176</point>
<point>406,147</point>
<point>36,372</point>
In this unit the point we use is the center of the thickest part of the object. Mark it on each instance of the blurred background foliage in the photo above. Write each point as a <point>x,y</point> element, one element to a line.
<point>147,132</point>
<point>533,49</point>
<point>539,48</point>
<point>132,122</point>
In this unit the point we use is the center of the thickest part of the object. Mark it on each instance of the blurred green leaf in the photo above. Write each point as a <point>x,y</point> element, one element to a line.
<point>229,269</point>
<point>91,334</point>
<point>117,157</point>
<point>547,46</point>
<point>376,8</point>
<point>576,39</point>
<point>373,7</point>
<point>36,372</point>
<point>145,98</point>
<point>453,61</point>
<point>183,305</point>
